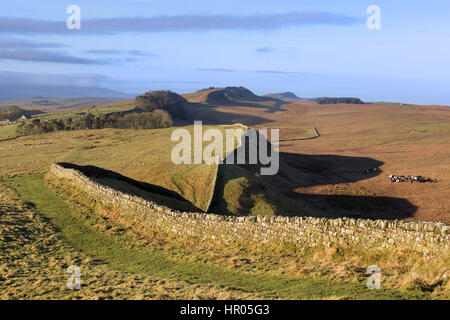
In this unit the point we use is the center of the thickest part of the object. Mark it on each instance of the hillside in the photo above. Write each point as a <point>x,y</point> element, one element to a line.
<point>152,110</point>
<point>227,96</point>
<point>242,189</point>
<point>169,101</point>
<point>14,113</point>
<point>286,96</point>
<point>244,192</point>
<point>230,95</point>
<point>142,155</point>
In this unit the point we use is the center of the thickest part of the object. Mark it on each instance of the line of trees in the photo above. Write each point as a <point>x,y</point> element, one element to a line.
<point>119,120</point>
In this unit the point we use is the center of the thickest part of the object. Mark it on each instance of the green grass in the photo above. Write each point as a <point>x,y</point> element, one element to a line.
<point>241,192</point>
<point>138,154</point>
<point>8,132</point>
<point>74,229</point>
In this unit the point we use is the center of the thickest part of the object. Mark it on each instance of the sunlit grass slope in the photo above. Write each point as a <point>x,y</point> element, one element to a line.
<point>143,155</point>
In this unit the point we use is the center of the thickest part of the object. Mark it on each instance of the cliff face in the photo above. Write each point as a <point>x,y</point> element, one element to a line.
<point>169,101</point>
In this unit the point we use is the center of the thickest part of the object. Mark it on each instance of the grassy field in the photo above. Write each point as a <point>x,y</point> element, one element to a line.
<point>153,262</point>
<point>8,132</point>
<point>328,173</point>
<point>407,141</point>
<point>398,139</point>
<point>144,155</point>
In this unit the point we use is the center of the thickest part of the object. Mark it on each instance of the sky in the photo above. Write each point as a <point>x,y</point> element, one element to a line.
<point>312,48</point>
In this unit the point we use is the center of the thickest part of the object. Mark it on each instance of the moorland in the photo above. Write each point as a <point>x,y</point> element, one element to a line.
<point>328,153</point>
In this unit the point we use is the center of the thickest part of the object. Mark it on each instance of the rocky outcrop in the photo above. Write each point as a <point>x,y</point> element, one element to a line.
<point>168,101</point>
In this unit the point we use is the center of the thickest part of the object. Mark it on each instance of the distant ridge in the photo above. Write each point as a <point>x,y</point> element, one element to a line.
<point>9,92</point>
<point>227,96</point>
<point>291,97</point>
<point>287,96</point>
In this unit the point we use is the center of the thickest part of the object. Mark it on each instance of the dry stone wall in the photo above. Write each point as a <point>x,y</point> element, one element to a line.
<point>307,231</point>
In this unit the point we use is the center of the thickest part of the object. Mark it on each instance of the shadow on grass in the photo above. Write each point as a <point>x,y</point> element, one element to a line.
<point>320,170</point>
<point>211,116</point>
<point>297,171</point>
<point>331,169</point>
<point>357,207</point>
<point>277,104</point>
<point>30,204</point>
<point>147,191</point>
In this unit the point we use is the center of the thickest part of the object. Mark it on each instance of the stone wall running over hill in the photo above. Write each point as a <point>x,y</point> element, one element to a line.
<point>308,231</point>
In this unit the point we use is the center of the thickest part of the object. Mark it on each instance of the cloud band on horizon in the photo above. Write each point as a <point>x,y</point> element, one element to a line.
<point>181,23</point>
<point>43,56</point>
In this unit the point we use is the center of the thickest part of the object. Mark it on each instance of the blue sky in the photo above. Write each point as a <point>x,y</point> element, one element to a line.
<point>313,48</point>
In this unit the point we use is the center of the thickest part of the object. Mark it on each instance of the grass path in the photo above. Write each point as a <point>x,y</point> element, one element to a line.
<point>74,230</point>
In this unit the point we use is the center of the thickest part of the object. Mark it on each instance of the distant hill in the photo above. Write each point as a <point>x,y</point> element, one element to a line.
<point>287,96</point>
<point>27,91</point>
<point>227,96</point>
<point>14,113</point>
<point>291,97</point>
<point>46,104</point>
